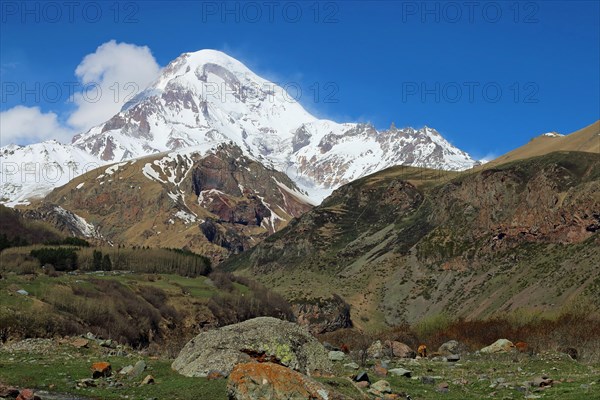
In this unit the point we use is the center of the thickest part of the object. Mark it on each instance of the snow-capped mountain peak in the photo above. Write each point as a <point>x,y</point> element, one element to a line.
<point>210,97</point>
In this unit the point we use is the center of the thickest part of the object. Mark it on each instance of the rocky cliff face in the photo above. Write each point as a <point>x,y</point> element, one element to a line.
<point>323,315</point>
<point>213,200</point>
<point>405,243</point>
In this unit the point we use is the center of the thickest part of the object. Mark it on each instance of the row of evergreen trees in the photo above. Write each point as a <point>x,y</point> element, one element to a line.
<point>159,261</point>
<point>17,241</point>
<point>100,262</point>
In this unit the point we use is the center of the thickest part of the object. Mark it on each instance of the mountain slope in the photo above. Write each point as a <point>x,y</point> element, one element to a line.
<point>30,172</point>
<point>210,199</point>
<point>209,97</point>
<point>406,243</point>
<point>586,139</point>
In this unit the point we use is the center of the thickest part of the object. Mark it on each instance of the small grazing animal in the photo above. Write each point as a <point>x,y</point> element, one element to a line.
<point>422,351</point>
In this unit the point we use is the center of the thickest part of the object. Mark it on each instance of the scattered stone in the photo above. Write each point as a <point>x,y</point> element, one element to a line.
<point>400,350</point>
<point>451,347</point>
<point>428,380</point>
<point>101,370</point>
<point>453,358</point>
<point>254,381</point>
<point>362,384</point>
<point>362,377</point>
<point>541,382</point>
<point>375,350</point>
<point>382,386</point>
<point>336,355</point>
<point>400,372</point>
<point>108,343</point>
<point>329,347</point>
<point>80,343</point>
<point>27,394</point>
<point>23,292</point>
<point>443,387</point>
<point>87,382</point>
<point>263,338</point>
<point>148,380</point>
<point>8,391</point>
<point>90,336</point>
<point>352,365</point>
<point>380,371</point>
<point>137,369</point>
<point>499,346</point>
<point>126,370</point>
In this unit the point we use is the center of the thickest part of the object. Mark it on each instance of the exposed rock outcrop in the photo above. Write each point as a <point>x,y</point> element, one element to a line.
<point>261,339</point>
<point>323,315</point>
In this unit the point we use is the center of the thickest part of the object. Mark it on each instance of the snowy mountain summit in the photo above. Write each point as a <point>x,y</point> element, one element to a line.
<point>208,97</point>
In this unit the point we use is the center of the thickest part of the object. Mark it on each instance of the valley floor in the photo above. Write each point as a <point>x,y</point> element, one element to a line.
<point>58,370</point>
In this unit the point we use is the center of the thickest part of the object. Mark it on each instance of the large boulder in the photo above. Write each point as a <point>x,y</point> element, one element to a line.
<point>258,381</point>
<point>400,350</point>
<point>499,346</point>
<point>259,339</point>
<point>451,347</point>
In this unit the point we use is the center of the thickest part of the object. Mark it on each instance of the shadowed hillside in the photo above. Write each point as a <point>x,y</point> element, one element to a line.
<point>404,244</point>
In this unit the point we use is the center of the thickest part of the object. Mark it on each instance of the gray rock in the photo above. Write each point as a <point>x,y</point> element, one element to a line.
<point>126,370</point>
<point>108,343</point>
<point>351,365</point>
<point>382,387</point>
<point>336,355</point>
<point>453,358</point>
<point>375,350</point>
<point>428,380</point>
<point>499,346</point>
<point>449,348</point>
<point>138,368</point>
<point>221,349</point>
<point>328,346</point>
<point>400,372</point>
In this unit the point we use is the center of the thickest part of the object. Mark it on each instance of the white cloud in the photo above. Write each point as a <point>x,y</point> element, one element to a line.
<point>488,157</point>
<point>29,124</point>
<point>112,75</point>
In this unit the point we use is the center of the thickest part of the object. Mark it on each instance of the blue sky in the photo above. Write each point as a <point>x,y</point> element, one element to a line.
<point>488,76</point>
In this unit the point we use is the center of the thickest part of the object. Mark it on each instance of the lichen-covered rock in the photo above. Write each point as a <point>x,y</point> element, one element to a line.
<point>261,339</point>
<point>400,350</point>
<point>449,348</point>
<point>499,346</point>
<point>258,381</point>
